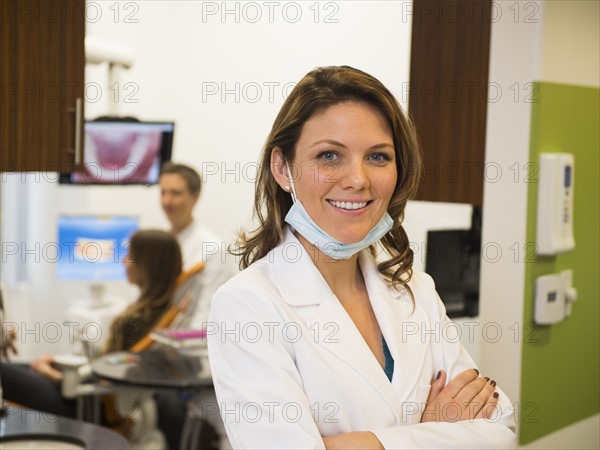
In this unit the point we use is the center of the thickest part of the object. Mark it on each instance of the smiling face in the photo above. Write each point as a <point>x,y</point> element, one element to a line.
<point>176,199</point>
<point>344,170</point>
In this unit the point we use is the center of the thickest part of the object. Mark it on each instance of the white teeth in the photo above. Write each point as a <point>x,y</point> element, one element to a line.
<point>348,205</point>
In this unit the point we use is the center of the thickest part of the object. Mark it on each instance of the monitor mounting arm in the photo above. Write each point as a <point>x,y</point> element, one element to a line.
<point>98,51</point>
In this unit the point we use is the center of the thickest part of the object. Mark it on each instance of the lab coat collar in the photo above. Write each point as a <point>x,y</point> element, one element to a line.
<point>291,262</point>
<point>291,258</point>
<point>392,307</point>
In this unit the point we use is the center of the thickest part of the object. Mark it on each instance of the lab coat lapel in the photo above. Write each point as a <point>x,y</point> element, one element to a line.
<point>328,321</point>
<point>393,308</point>
<point>348,345</point>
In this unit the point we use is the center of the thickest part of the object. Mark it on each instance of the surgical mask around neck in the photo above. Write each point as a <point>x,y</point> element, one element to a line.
<point>299,218</point>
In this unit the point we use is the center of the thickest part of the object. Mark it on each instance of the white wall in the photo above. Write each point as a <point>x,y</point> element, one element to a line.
<point>186,50</point>
<point>514,62</point>
<point>571,42</point>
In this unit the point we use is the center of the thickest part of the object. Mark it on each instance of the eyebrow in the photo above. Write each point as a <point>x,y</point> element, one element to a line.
<point>339,144</point>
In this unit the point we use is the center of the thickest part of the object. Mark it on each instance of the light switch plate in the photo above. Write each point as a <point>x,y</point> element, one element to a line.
<point>549,299</point>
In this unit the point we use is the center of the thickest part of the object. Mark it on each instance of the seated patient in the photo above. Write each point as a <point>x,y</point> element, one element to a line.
<point>7,337</point>
<point>153,263</point>
<point>313,345</point>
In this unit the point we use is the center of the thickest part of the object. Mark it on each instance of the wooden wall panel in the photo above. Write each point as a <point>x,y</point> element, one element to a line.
<point>42,64</point>
<point>448,95</point>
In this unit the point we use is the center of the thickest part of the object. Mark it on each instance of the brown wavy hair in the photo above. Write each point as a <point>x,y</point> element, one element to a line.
<point>158,262</point>
<point>317,91</point>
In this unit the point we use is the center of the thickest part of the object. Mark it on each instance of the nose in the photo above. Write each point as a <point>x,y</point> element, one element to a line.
<point>354,176</point>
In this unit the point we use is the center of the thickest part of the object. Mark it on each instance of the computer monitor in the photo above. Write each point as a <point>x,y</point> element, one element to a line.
<point>454,262</point>
<point>92,248</point>
<point>123,152</point>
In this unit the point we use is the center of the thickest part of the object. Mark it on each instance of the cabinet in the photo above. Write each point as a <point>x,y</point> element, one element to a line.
<point>42,62</point>
<point>448,95</point>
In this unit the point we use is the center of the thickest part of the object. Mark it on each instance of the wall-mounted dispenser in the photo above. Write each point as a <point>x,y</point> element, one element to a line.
<point>555,203</point>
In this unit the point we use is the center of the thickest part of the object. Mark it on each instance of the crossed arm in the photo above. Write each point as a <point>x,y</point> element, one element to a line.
<point>469,395</point>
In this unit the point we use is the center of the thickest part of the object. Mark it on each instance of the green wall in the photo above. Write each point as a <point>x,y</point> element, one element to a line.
<point>560,368</point>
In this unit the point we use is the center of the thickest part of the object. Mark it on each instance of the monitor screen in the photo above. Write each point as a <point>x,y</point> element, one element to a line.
<point>92,247</point>
<point>453,261</point>
<point>123,152</point>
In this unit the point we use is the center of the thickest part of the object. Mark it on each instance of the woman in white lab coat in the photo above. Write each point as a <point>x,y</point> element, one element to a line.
<point>315,344</point>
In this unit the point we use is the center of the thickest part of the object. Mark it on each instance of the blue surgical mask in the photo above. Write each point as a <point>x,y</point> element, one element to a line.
<point>298,218</point>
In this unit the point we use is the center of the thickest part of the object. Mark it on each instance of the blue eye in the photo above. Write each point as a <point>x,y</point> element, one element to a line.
<point>379,157</point>
<point>328,156</point>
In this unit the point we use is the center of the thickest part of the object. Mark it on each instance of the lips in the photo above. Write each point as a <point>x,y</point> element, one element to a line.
<point>348,205</point>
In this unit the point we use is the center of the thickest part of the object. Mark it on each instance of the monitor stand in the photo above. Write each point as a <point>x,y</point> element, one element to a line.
<point>98,295</point>
<point>93,316</point>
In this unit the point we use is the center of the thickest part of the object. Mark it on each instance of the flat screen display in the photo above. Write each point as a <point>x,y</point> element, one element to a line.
<point>122,152</point>
<point>453,261</point>
<point>92,248</point>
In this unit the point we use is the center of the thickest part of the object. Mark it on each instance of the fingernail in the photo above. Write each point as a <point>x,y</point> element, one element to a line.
<point>493,383</point>
<point>496,395</point>
<point>476,371</point>
<point>487,378</point>
<point>438,375</point>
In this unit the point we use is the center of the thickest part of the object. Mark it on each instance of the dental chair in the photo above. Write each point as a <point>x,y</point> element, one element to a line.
<point>131,409</point>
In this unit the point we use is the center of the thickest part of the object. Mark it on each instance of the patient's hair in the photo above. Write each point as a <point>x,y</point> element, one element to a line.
<point>157,260</point>
<point>191,177</point>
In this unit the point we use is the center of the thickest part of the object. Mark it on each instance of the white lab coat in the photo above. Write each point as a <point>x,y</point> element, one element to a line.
<point>199,244</point>
<point>289,365</point>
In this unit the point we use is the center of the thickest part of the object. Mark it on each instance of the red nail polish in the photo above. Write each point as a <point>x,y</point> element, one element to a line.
<point>496,395</point>
<point>493,383</point>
